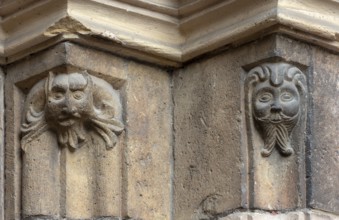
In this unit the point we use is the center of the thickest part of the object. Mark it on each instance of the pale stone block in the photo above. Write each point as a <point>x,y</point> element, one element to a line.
<point>41,194</point>
<point>324,139</point>
<point>236,216</point>
<point>146,156</point>
<point>265,216</point>
<point>148,151</point>
<point>12,200</point>
<point>293,215</point>
<point>2,146</point>
<point>212,167</point>
<point>317,215</point>
<point>69,176</point>
<point>207,125</point>
<point>281,216</point>
<point>59,182</point>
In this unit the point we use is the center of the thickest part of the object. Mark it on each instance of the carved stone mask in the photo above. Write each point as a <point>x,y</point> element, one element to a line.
<point>276,104</point>
<point>72,105</point>
<point>69,98</point>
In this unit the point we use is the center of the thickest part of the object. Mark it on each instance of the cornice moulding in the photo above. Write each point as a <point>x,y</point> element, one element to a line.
<point>165,32</point>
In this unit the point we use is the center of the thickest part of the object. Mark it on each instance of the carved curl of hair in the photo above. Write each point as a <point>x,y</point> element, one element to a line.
<point>277,74</point>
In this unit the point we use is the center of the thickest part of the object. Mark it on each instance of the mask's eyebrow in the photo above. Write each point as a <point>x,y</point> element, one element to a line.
<point>58,86</point>
<point>77,83</point>
<point>263,88</point>
<point>77,86</point>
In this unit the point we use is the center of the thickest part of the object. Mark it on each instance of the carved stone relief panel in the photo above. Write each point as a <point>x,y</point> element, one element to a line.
<point>70,103</point>
<point>67,122</point>
<point>276,112</point>
<point>276,104</point>
<point>71,123</point>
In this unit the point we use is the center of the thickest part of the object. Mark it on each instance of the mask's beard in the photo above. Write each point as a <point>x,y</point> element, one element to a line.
<point>277,128</point>
<point>73,136</point>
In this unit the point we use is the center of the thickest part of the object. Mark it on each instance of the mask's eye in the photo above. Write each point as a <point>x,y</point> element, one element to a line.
<point>78,95</point>
<point>57,96</point>
<point>286,97</point>
<point>265,97</point>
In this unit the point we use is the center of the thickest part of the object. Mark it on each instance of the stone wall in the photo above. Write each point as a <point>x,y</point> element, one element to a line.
<point>169,110</point>
<point>215,168</point>
<point>187,150</point>
<point>63,184</point>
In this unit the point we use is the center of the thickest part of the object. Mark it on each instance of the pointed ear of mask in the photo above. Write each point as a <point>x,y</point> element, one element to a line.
<point>49,81</point>
<point>88,78</point>
<point>294,74</point>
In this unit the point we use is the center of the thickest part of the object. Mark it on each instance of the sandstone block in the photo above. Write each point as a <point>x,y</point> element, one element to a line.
<point>324,141</point>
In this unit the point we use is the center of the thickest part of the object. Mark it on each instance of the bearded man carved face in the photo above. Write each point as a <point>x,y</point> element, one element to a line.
<point>71,105</point>
<point>276,104</point>
<point>69,99</point>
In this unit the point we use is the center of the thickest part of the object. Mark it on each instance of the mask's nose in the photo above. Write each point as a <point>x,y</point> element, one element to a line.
<point>276,107</point>
<point>69,108</point>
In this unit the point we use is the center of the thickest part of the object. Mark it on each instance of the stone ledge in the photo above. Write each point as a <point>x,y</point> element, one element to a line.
<point>163,29</point>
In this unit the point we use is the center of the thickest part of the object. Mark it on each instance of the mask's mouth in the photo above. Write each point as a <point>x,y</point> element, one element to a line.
<point>275,118</point>
<point>67,123</point>
<point>66,120</point>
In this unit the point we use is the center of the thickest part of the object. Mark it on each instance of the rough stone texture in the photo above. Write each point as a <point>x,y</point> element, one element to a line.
<point>79,175</point>
<point>317,215</point>
<point>285,216</point>
<point>2,140</point>
<point>207,125</point>
<point>324,152</point>
<point>149,147</point>
<point>235,216</point>
<point>44,188</point>
<point>138,165</point>
<point>210,157</point>
<point>13,100</point>
<point>93,180</point>
<point>210,169</point>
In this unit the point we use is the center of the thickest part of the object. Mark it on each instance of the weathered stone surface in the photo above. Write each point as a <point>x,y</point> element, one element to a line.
<point>2,145</point>
<point>148,151</point>
<point>13,100</point>
<point>109,67</point>
<point>210,159</point>
<point>210,166</point>
<point>317,215</point>
<point>210,137</point>
<point>284,216</point>
<point>236,216</point>
<point>146,155</point>
<point>207,125</point>
<point>165,32</point>
<point>324,151</point>
<point>77,175</point>
<point>41,177</point>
